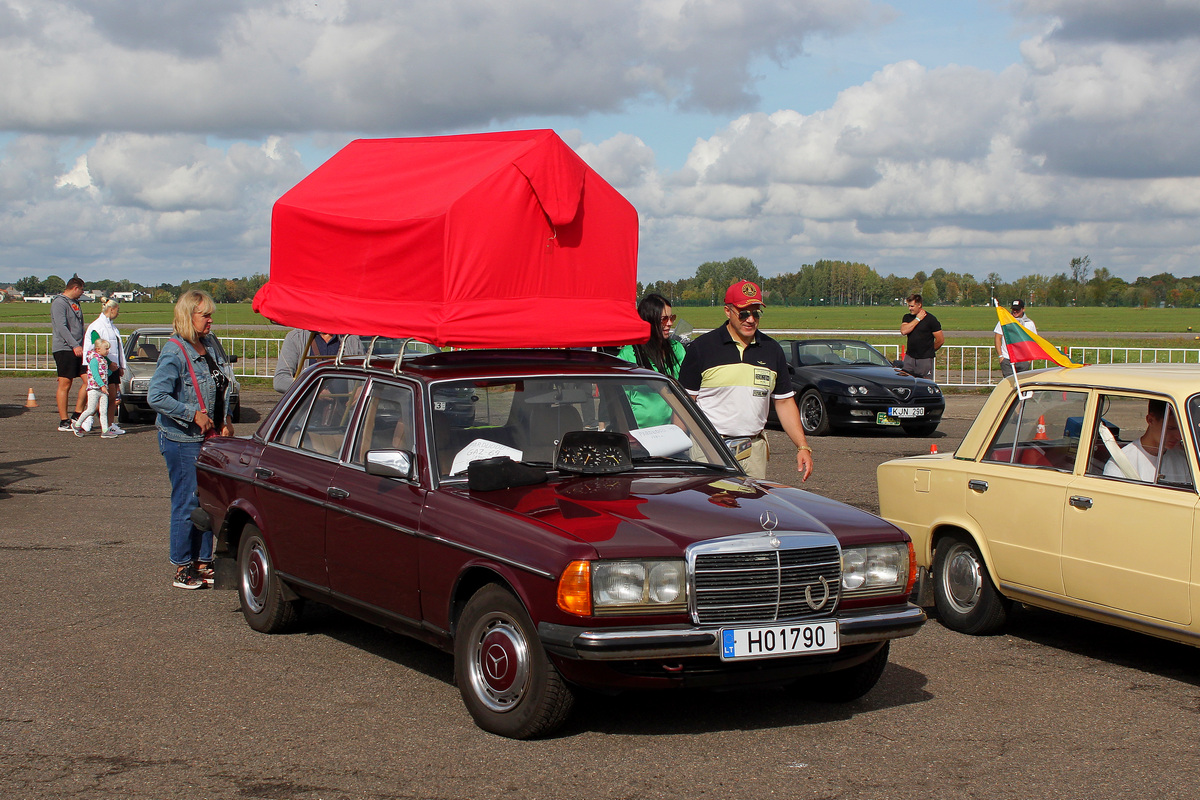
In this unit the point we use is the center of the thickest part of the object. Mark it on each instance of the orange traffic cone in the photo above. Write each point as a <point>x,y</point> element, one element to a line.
<point>1040,435</point>
<point>31,401</point>
<point>933,449</point>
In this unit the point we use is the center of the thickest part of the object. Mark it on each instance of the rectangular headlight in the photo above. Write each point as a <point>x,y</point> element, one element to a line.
<point>875,570</point>
<point>639,587</point>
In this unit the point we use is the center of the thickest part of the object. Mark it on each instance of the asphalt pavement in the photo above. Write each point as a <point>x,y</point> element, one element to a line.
<point>115,685</point>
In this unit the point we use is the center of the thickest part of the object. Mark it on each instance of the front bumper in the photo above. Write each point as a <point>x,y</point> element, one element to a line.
<point>845,411</point>
<point>859,626</point>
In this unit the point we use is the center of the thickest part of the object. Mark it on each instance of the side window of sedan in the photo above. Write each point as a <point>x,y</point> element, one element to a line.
<point>1040,430</point>
<point>387,422</point>
<point>1139,439</point>
<point>319,421</point>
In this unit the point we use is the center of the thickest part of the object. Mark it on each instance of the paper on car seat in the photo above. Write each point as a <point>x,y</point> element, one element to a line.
<point>662,440</point>
<point>480,449</point>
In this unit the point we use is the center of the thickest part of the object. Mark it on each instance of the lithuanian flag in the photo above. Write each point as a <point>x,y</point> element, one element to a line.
<point>1025,345</point>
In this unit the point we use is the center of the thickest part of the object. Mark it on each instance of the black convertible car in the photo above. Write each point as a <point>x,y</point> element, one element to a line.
<point>844,383</point>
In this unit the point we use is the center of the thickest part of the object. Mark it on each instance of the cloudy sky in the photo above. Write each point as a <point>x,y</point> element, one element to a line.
<point>147,139</point>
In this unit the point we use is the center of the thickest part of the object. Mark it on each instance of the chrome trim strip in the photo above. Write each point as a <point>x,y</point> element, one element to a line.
<point>1056,602</point>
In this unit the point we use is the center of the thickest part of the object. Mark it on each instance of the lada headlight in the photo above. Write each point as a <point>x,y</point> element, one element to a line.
<point>876,570</point>
<point>623,587</point>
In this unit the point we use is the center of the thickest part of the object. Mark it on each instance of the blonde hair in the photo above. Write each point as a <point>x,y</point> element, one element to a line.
<point>191,302</point>
<point>96,345</point>
<point>109,303</point>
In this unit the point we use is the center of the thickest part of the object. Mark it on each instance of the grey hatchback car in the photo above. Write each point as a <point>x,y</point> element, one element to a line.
<point>141,355</point>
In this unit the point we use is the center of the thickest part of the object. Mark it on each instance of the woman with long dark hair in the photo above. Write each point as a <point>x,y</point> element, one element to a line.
<point>661,354</point>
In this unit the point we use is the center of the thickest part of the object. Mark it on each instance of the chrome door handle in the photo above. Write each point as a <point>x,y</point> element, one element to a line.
<point>1081,502</point>
<point>977,485</point>
<point>263,472</point>
<point>336,493</point>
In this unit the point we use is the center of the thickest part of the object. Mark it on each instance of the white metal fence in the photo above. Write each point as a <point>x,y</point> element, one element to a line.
<point>30,352</point>
<point>955,365</point>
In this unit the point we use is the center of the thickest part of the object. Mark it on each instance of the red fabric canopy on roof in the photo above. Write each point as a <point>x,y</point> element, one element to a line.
<point>483,240</point>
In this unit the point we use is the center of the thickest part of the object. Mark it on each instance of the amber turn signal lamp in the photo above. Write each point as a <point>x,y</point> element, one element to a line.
<point>912,568</point>
<point>575,589</point>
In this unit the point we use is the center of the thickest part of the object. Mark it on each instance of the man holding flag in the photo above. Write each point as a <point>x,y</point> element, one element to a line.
<point>1009,365</point>
<point>1018,343</point>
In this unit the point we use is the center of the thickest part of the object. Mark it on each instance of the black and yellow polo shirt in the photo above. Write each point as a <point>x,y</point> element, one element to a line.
<point>734,385</point>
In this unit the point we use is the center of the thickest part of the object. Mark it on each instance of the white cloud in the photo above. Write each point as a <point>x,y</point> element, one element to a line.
<point>245,67</point>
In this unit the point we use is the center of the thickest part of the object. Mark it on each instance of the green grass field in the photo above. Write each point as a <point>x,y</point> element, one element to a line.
<point>230,317</point>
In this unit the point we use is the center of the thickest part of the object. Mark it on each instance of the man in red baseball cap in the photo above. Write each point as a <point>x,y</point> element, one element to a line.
<point>735,371</point>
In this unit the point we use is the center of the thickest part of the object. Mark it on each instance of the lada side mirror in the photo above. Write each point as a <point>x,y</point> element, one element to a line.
<point>740,446</point>
<point>390,464</point>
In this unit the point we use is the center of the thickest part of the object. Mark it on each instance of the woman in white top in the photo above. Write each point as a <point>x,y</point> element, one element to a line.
<point>103,328</point>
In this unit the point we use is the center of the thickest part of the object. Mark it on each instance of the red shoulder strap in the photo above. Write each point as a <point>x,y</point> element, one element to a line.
<point>192,370</point>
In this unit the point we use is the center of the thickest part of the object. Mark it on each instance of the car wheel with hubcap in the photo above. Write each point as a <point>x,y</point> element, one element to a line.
<point>813,416</point>
<point>259,588</point>
<point>965,597</point>
<point>506,679</point>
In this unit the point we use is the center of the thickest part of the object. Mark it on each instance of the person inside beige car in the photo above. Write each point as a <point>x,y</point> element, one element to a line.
<point>1156,455</point>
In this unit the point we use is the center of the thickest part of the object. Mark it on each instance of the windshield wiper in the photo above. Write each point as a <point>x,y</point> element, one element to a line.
<point>673,460</point>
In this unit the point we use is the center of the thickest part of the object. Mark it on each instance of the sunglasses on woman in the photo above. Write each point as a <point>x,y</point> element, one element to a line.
<point>669,318</point>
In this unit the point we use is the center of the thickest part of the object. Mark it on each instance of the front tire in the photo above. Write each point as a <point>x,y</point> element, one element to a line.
<point>813,415</point>
<point>921,429</point>
<point>263,603</point>
<point>850,684</point>
<point>506,680</point>
<point>963,592</point>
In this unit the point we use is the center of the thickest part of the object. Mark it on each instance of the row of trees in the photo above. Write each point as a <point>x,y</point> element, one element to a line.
<point>844,283</point>
<point>834,283</point>
<point>223,290</point>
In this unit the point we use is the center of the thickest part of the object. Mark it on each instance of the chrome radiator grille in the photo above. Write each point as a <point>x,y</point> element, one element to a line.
<point>766,585</point>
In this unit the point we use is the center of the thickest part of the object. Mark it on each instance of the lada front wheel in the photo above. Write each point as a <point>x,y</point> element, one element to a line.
<point>259,588</point>
<point>966,598</point>
<point>506,680</point>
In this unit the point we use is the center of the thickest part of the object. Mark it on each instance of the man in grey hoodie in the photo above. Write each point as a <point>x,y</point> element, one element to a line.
<point>66,322</point>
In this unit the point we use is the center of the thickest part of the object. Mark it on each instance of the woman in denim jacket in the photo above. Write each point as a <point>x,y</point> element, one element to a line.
<point>188,414</point>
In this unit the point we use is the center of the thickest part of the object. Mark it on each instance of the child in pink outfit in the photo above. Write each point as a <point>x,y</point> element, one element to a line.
<point>97,390</point>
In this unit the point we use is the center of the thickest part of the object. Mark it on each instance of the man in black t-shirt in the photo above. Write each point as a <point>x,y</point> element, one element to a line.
<point>925,336</point>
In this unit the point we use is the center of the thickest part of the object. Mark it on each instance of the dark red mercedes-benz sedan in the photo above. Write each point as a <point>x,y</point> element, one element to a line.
<point>557,520</point>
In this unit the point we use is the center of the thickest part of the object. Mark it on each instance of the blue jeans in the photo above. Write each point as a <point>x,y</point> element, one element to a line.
<point>188,544</point>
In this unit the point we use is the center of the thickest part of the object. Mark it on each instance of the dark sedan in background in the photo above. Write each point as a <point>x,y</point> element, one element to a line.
<point>846,383</point>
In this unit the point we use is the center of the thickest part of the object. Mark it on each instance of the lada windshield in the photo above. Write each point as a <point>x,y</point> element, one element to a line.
<point>525,420</point>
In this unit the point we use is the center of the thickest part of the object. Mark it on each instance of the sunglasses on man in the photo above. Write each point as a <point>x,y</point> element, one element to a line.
<point>751,312</point>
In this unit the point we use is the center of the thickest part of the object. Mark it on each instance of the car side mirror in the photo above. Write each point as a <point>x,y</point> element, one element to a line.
<point>898,364</point>
<point>390,464</point>
<point>791,370</point>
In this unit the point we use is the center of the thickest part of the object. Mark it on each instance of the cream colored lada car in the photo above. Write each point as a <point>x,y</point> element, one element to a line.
<point>1078,495</point>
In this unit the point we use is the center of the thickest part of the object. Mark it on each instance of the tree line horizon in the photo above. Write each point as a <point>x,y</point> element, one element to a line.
<point>848,283</point>
<point>823,283</point>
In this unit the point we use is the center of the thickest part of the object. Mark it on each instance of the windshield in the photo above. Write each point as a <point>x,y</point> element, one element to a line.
<point>144,347</point>
<point>840,353</point>
<point>525,420</point>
